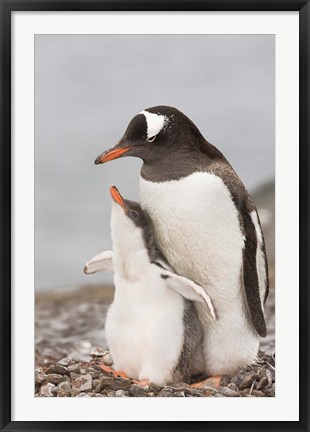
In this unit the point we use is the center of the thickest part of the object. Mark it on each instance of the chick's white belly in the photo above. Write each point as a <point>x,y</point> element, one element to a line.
<point>144,329</point>
<point>197,227</point>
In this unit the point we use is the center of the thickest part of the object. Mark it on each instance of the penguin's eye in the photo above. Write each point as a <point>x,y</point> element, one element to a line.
<point>151,139</point>
<point>133,213</point>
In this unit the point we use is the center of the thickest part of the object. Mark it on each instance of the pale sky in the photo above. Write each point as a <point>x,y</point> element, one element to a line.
<point>88,87</point>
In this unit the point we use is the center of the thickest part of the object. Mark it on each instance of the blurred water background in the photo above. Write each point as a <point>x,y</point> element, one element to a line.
<point>87,88</point>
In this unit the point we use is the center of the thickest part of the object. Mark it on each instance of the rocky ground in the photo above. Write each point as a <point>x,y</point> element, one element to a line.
<point>67,378</point>
<point>70,346</point>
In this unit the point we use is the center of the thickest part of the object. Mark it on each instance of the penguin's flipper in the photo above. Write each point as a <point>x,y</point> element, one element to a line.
<point>254,271</point>
<point>188,289</point>
<point>100,262</point>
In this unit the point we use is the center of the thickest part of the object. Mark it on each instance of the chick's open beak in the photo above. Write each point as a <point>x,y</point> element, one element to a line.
<point>112,153</point>
<point>117,197</point>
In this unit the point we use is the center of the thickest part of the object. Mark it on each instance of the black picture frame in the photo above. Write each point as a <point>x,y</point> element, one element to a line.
<point>9,6</point>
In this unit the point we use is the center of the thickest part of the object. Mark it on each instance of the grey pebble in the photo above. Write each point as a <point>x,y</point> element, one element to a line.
<point>226,391</point>
<point>262,383</point>
<point>179,394</point>
<point>107,359</point>
<point>154,387</point>
<point>82,384</point>
<point>113,384</point>
<point>258,393</point>
<point>88,369</point>
<point>75,367</point>
<point>84,395</point>
<point>94,375</point>
<point>122,384</point>
<point>247,380</point>
<point>271,391</point>
<point>55,378</point>
<point>181,387</point>
<point>245,392</point>
<point>96,381</point>
<point>64,389</point>
<point>226,379</point>
<point>39,378</point>
<point>236,379</point>
<point>208,393</point>
<point>137,391</point>
<point>105,382</point>
<point>74,376</point>
<point>66,361</point>
<point>47,390</point>
<point>232,386</point>
<point>57,369</point>
<point>166,392</point>
<point>269,377</point>
<point>198,392</point>
<point>96,352</point>
<point>120,393</point>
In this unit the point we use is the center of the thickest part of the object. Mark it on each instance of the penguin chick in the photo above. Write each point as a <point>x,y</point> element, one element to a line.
<point>152,327</point>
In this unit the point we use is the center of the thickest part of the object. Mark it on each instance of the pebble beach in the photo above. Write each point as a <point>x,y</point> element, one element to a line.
<point>67,378</point>
<point>70,347</point>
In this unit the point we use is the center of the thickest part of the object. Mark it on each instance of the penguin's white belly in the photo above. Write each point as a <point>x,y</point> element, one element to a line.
<point>144,328</point>
<point>197,228</point>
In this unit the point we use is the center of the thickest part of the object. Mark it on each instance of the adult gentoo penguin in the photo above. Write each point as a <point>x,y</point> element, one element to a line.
<point>207,226</point>
<point>152,328</point>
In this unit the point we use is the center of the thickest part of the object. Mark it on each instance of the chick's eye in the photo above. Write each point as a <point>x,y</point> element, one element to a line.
<point>151,139</point>
<point>133,213</point>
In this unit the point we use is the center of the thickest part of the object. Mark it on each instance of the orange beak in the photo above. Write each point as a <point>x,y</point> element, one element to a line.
<point>117,197</point>
<point>111,154</point>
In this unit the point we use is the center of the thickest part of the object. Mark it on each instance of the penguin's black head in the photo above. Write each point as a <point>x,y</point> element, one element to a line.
<point>154,133</point>
<point>131,209</point>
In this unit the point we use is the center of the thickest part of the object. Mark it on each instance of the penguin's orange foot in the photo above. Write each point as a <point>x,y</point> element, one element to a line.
<point>213,382</point>
<point>113,372</point>
<point>141,383</point>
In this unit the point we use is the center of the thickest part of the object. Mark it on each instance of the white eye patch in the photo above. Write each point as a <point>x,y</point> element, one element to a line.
<point>155,123</point>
